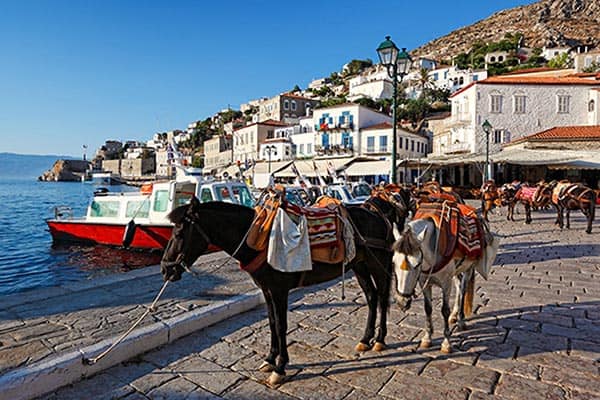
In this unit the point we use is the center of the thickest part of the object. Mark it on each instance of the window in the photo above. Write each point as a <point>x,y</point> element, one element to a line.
<point>206,195</point>
<point>496,103</point>
<point>286,105</point>
<point>591,105</point>
<point>497,135</point>
<point>309,148</point>
<point>301,148</point>
<point>406,144</point>
<point>104,209</point>
<point>161,200</point>
<point>370,144</point>
<point>520,104</point>
<point>563,104</point>
<point>383,140</point>
<point>500,58</point>
<point>293,105</point>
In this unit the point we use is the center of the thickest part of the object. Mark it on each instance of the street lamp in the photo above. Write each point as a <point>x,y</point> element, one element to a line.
<point>487,128</point>
<point>271,150</point>
<point>397,63</point>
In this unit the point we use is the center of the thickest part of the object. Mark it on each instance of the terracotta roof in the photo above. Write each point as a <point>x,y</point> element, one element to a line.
<point>539,80</point>
<point>295,96</point>
<point>564,133</point>
<point>463,89</point>
<point>529,71</point>
<point>383,125</point>
<point>270,122</point>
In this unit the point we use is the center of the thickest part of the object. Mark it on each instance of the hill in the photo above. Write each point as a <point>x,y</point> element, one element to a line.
<point>549,23</point>
<point>24,166</point>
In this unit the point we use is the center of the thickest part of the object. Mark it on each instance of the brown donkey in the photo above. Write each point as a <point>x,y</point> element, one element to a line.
<point>571,196</point>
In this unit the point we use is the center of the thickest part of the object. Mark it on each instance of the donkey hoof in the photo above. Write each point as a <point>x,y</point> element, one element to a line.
<point>425,344</point>
<point>266,367</point>
<point>379,346</point>
<point>275,379</point>
<point>360,347</point>
<point>446,348</point>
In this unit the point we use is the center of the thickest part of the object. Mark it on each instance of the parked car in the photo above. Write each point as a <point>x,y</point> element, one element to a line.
<point>342,193</point>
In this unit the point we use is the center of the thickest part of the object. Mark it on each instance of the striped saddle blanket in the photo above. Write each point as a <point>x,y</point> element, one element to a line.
<point>323,224</point>
<point>460,231</point>
<point>526,193</point>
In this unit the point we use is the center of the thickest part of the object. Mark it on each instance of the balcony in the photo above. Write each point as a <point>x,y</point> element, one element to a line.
<point>457,148</point>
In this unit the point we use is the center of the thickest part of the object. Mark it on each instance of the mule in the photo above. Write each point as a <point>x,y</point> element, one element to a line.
<point>226,226</point>
<point>415,257</point>
<point>530,197</point>
<point>568,196</point>
<point>489,196</point>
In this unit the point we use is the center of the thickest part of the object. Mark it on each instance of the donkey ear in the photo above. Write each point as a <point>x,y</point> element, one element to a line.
<point>194,203</point>
<point>422,234</point>
<point>396,232</point>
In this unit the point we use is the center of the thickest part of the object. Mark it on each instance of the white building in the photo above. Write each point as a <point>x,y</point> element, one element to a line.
<point>454,79</point>
<point>377,142</point>
<point>517,107</point>
<point>373,83</point>
<point>247,140</point>
<point>586,60</point>
<point>338,128</point>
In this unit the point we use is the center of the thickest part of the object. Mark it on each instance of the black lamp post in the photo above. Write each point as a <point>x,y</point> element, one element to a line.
<point>487,128</point>
<point>271,149</point>
<point>397,63</point>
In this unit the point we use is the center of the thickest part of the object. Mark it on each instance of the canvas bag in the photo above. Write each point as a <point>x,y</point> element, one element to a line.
<point>289,248</point>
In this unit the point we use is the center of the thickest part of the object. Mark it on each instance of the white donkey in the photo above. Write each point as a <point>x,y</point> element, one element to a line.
<point>415,254</point>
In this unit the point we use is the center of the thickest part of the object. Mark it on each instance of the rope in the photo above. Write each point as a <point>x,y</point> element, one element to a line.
<point>152,308</point>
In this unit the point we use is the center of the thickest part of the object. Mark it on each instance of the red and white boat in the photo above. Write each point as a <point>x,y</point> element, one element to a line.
<point>139,219</point>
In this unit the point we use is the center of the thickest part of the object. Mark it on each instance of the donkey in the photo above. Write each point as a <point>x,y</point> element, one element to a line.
<point>573,196</point>
<point>417,259</point>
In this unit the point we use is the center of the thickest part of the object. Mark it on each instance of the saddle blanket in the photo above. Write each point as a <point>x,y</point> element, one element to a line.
<point>459,228</point>
<point>323,224</point>
<point>526,193</point>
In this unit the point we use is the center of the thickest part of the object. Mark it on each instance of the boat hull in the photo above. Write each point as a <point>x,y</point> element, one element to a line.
<point>146,236</point>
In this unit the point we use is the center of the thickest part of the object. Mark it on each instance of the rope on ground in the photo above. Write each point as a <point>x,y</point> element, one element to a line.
<point>152,308</point>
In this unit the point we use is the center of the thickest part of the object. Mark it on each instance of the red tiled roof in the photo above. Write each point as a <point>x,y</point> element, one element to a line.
<point>529,71</point>
<point>270,122</point>
<point>563,133</point>
<point>383,125</point>
<point>295,96</point>
<point>539,80</point>
<point>463,89</point>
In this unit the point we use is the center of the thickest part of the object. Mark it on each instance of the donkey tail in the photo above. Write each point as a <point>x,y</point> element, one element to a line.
<point>469,294</point>
<point>593,206</point>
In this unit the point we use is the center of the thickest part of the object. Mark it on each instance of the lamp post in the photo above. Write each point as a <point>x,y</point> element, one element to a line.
<point>487,128</point>
<point>397,63</point>
<point>271,149</point>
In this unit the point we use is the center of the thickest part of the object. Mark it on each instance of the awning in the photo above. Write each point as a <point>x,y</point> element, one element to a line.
<point>578,164</point>
<point>306,167</point>
<point>520,156</point>
<point>368,168</point>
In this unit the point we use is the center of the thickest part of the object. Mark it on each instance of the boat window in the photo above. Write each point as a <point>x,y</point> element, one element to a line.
<point>161,200</point>
<point>243,196</point>
<point>184,194</point>
<point>104,209</point>
<point>223,194</point>
<point>138,209</point>
<point>206,195</point>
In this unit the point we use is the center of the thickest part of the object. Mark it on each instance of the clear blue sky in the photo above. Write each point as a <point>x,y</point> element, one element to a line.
<point>83,71</point>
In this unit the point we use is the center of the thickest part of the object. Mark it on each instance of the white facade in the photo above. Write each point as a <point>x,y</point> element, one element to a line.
<point>550,53</point>
<point>454,79</point>
<point>377,141</point>
<point>515,107</point>
<point>374,84</point>
<point>276,150</point>
<point>338,128</point>
<point>585,60</point>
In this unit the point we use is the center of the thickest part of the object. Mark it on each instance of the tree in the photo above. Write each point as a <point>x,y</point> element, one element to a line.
<point>355,67</point>
<point>560,61</point>
<point>593,67</point>
<point>296,89</point>
<point>424,80</point>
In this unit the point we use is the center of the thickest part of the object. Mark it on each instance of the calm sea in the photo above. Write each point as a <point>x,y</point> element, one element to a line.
<point>28,258</point>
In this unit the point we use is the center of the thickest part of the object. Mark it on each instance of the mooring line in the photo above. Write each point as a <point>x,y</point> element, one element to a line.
<point>152,308</point>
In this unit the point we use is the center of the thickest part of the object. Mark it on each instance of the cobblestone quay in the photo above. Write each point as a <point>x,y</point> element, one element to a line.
<point>535,335</point>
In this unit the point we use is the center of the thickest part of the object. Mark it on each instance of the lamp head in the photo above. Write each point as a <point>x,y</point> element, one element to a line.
<point>388,52</point>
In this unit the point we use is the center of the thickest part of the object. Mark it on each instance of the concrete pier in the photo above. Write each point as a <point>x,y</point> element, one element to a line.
<point>535,334</point>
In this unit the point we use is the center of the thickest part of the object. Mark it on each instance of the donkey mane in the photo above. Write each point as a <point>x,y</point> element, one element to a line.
<point>406,244</point>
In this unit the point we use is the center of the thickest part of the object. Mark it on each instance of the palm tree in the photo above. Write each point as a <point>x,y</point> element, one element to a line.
<point>424,80</point>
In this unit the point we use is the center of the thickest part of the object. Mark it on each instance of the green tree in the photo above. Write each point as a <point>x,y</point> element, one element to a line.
<point>593,67</point>
<point>355,67</point>
<point>560,61</point>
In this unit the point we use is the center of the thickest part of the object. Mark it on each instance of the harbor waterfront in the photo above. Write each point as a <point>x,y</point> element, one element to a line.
<point>534,333</point>
<point>28,258</point>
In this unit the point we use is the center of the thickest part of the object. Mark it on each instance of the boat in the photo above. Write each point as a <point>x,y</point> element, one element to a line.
<point>139,219</point>
<point>106,178</point>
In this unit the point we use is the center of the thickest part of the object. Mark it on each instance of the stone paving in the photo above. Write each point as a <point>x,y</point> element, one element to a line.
<point>535,335</point>
<point>46,323</point>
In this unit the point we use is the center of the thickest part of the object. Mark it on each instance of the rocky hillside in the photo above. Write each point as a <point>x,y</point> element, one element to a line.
<point>547,23</point>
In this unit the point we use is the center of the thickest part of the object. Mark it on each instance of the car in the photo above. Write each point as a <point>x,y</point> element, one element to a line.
<point>342,193</point>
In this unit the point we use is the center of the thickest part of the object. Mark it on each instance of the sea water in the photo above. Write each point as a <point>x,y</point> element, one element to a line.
<point>29,259</point>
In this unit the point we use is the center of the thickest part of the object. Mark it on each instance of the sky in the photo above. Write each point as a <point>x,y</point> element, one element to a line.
<point>79,72</point>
